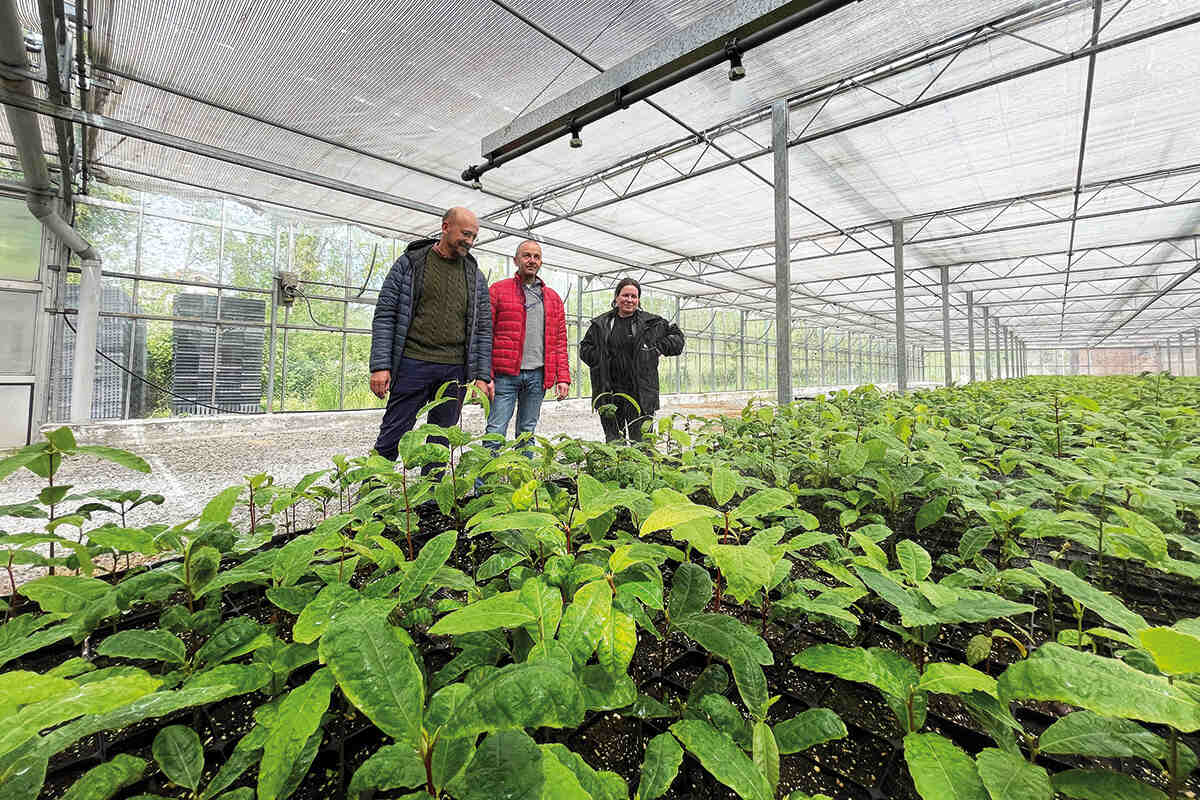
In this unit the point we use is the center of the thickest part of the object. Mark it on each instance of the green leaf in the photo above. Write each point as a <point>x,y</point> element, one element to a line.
<point>516,521</point>
<point>545,602</point>
<point>765,752</point>
<point>221,506</point>
<point>618,640</point>
<point>293,599</point>
<point>1175,652</point>
<point>1007,776</point>
<point>122,457</point>
<point>94,698</point>
<point>530,695</point>
<point>432,558</point>
<point>179,755</point>
<point>723,759</point>
<point>237,678</point>
<point>747,569</point>
<point>603,691</point>
<point>725,637</point>
<point>21,458</point>
<point>724,484</point>
<point>376,671</point>
<point>23,778</point>
<point>62,438</point>
<point>64,594</point>
<point>956,679</point>
<point>504,610</point>
<point>660,765</point>
<point>762,503</point>
<point>888,672</point>
<point>236,637</point>
<point>393,766</point>
<point>598,785</point>
<point>21,687</point>
<point>978,648</point>
<point>508,764</point>
<point>691,590</point>
<point>852,457</point>
<point>941,771</point>
<point>153,645</point>
<point>246,753</point>
<point>914,560</point>
<point>1088,734</point>
<point>1104,685</point>
<point>1101,784</point>
<point>808,729</point>
<point>584,620</point>
<point>104,781</point>
<point>672,516</point>
<point>298,717</point>
<point>931,512</point>
<point>314,620</point>
<point>1087,595</point>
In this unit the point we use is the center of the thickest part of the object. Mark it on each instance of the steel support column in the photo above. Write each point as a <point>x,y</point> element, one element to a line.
<point>821,356</point>
<point>1170,361</point>
<point>87,330</point>
<point>783,263</point>
<point>987,348</point>
<point>945,274</point>
<point>1196,349</point>
<point>898,279</point>
<point>579,333</point>
<point>742,352</point>
<point>679,362</point>
<point>971,337</point>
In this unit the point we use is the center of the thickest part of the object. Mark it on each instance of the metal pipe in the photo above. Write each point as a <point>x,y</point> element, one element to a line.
<point>949,376</point>
<point>898,279</point>
<point>783,268</point>
<point>41,200</point>
<point>971,337</point>
<point>1097,6</point>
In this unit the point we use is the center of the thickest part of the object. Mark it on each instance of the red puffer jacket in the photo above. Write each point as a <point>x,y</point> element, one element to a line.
<point>508,331</point>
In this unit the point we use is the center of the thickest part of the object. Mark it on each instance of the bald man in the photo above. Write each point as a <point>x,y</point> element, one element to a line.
<point>432,325</point>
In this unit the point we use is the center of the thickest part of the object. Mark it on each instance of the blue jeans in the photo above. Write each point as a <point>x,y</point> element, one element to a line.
<point>524,392</point>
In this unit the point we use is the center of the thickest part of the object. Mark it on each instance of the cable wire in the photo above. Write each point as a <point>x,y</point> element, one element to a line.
<point>149,382</point>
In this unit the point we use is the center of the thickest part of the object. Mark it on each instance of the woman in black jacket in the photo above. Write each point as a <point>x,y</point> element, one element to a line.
<point>622,348</point>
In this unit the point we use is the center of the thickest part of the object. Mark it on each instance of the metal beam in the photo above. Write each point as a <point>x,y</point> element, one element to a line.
<point>783,276</point>
<point>898,278</point>
<point>987,348</point>
<point>949,377</point>
<point>971,337</point>
<point>1097,5</point>
<point>707,42</point>
<point>925,101</point>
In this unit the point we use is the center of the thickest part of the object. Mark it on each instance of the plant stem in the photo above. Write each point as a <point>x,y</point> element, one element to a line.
<point>1173,754</point>
<point>407,512</point>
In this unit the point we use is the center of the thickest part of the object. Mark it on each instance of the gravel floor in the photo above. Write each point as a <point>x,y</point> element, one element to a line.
<point>188,470</point>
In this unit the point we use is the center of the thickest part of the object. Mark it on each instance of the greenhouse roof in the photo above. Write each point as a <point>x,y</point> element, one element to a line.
<point>1043,152</point>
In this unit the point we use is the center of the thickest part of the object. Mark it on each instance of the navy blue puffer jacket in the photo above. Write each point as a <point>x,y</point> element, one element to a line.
<point>398,298</point>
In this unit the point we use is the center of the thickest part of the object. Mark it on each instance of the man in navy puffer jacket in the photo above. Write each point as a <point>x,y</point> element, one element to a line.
<point>432,325</point>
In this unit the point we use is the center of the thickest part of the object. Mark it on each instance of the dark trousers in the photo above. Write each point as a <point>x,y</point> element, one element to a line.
<point>626,417</point>
<point>414,383</point>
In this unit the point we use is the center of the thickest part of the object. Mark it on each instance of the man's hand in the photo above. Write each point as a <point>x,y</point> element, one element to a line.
<point>488,388</point>
<point>561,390</point>
<point>381,381</point>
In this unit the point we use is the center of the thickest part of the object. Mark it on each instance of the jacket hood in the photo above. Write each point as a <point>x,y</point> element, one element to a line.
<point>427,244</point>
<point>419,244</point>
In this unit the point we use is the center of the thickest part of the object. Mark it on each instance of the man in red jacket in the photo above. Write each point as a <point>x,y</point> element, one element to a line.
<point>529,344</point>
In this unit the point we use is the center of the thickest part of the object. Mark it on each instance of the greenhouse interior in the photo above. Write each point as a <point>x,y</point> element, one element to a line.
<point>856,451</point>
